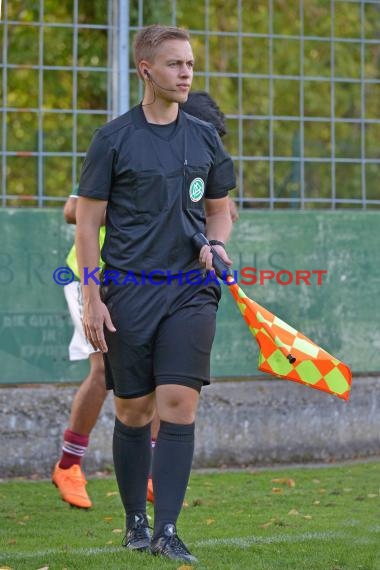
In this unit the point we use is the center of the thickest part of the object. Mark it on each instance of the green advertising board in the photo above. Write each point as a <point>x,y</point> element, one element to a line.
<point>318,271</point>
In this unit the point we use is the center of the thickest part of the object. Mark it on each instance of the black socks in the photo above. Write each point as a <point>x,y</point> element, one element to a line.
<point>131,455</point>
<point>172,461</point>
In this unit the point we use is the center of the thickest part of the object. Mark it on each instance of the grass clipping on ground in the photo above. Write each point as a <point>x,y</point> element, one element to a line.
<point>303,518</point>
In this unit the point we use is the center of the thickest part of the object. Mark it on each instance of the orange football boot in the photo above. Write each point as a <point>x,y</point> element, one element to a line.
<point>71,484</point>
<point>149,491</point>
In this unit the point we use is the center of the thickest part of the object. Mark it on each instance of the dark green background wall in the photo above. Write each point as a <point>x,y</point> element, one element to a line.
<point>342,314</point>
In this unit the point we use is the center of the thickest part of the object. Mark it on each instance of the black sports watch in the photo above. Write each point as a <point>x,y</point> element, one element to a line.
<point>216,242</point>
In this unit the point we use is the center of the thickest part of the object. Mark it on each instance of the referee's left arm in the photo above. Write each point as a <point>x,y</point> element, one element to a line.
<point>218,227</point>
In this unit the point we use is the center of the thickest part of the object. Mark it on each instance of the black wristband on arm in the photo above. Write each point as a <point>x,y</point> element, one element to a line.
<point>216,242</point>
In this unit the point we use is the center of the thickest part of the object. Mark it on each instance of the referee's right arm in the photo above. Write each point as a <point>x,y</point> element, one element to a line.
<point>90,216</point>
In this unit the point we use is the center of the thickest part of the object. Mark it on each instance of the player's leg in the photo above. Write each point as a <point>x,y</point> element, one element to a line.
<point>182,367</point>
<point>177,407</point>
<point>130,372</point>
<point>67,475</point>
<point>89,399</point>
<point>132,458</point>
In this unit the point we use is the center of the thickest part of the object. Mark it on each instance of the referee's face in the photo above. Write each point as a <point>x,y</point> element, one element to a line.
<point>172,70</point>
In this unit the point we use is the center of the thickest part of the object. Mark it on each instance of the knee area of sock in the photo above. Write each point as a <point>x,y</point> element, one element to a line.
<point>170,430</point>
<point>131,431</point>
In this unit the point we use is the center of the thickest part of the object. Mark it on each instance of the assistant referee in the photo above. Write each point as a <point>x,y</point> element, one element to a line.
<point>162,175</point>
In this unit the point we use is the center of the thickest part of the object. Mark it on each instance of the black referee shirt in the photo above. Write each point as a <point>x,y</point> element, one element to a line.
<point>155,187</point>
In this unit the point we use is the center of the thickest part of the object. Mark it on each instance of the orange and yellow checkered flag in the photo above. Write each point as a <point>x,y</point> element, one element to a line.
<point>284,351</point>
<point>287,353</point>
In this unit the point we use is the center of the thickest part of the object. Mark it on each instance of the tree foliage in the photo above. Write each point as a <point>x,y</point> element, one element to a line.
<point>294,98</point>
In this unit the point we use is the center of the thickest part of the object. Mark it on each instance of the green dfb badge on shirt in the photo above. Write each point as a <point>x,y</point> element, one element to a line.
<point>196,189</point>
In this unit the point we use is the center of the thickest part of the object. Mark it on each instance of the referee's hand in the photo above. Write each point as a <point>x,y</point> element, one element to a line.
<point>95,317</point>
<point>205,256</point>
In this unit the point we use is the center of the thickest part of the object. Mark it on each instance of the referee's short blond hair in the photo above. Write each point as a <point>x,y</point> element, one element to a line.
<point>148,39</point>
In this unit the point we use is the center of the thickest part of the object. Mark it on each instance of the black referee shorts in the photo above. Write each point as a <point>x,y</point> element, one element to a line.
<point>164,334</point>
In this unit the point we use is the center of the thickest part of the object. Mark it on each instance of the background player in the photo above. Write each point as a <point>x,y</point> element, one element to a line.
<point>88,400</point>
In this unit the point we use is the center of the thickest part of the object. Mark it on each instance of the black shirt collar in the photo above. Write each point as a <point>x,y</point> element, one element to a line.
<point>140,121</point>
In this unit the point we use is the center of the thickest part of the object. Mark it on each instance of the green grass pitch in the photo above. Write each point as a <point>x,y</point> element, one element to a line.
<point>292,519</point>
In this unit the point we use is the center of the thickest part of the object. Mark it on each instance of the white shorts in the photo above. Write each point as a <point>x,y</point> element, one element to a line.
<point>79,347</point>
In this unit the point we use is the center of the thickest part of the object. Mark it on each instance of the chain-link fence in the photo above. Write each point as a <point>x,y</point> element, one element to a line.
<point>298,81</point>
